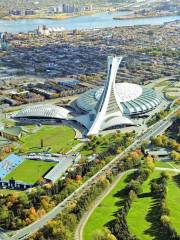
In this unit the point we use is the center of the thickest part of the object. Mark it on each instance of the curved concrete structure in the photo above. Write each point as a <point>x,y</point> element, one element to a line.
<point>134,99</point>
<point>108,111</point>
<point>45,111</point>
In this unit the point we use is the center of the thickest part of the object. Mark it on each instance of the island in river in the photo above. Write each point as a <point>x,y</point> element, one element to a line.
<point>133,15</point>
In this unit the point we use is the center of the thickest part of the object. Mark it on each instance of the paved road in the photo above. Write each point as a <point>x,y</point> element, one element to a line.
<point>34,227</point>
<point>86,216</point>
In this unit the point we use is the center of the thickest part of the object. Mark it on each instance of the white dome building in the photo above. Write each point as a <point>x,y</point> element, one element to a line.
<point>113,105</point>
<point>134,99</point>
<point>42,112</point>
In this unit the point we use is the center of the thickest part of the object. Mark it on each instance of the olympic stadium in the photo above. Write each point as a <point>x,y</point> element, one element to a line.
<point>115,104</point>
<point>134,99</point>
<point>112,106</point>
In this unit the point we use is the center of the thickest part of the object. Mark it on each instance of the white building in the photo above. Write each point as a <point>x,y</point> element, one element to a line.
<point>113,105</point>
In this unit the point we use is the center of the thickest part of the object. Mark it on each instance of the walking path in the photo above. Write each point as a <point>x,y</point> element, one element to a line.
<point>75,148</point>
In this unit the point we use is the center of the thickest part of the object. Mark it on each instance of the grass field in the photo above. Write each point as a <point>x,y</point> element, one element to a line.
<point>139,212</point>
<point>163,83</point>
<point>55,138</point>
<point>173,202</point>
<point>29,171</point>
<point>104,213</point>
<point>163,164</point>
<point>142,218</point>
<point>169,164</point>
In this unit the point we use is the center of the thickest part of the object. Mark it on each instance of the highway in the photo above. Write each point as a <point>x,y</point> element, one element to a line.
<point>154,130</point>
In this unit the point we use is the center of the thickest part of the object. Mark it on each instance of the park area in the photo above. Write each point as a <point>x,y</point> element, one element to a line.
<point>142,217</point>
<point>30,171</point>
<point>105,212</point>
<point>57,139</point>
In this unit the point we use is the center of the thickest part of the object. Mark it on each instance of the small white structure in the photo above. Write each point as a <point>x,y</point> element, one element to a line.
<point>44,30</point>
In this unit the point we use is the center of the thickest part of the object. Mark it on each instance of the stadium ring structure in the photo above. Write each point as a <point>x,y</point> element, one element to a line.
<point>134,99</point>
<point>42,112</point>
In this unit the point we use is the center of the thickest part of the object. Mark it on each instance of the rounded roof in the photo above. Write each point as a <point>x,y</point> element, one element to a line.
<point>44,111</point>
<point>125,91</point>
<point>133,98</point>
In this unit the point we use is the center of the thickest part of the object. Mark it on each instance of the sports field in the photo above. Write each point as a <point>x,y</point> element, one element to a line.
<point>30,171</point>
<point>54,139</point>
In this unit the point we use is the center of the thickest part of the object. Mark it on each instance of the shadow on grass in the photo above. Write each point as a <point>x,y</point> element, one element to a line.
<point>176,178</point>
<point>130,177</point>
<point>110,224</point>
<point>144,195</point>
<point>121,195</point>
<point>153,217</point>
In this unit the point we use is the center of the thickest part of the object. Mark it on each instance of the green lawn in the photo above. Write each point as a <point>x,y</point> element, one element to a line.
<point>137,216</point>
<point>176,165</point>
<point>143,216</point>
<point>173,203</point>
<point>105,211</point>
<point>163,164</point>
<point>169,164</point>
<point>163,83</point>
<point>55,138</point>
<point>29,171</point>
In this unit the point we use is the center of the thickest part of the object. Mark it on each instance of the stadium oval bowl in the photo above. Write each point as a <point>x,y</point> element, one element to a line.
<point>44,111</point>
<point>134,99</point>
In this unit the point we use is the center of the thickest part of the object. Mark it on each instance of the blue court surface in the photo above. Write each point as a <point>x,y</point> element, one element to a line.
<point>9,163</point>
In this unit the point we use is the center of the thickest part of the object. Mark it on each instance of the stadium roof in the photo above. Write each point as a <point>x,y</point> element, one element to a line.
<point>43,111</point>
<point>133,98</point>
<point>60,168</point>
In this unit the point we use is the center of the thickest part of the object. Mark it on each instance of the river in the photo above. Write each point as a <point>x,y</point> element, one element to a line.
<point>99,20</point>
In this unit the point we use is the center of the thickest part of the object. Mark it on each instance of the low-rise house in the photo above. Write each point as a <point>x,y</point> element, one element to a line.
<point>11,133</point>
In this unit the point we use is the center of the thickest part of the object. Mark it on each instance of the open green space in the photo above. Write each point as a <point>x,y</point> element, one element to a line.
<point>168,164</point>
<point>105,212</point>
<point>142,218</point>
<point>175,165</point>
<point>137,220</point>
<point>163,164</point>
<point>163,83</point>
<point>173,201</point>
<point>59,138</point>
<point>30,171</point>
